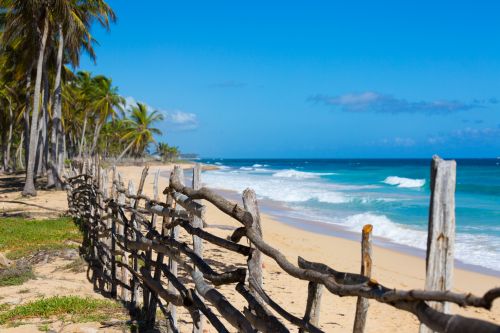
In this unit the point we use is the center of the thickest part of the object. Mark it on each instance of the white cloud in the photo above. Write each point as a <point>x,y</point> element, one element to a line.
<point>179,117</point>
<point>173,119</point>
<point>181,120</point>
<point>374,102</point>
<point>397,142</point>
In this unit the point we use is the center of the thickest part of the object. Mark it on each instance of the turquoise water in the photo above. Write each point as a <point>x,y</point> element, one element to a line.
<point>391,194</point>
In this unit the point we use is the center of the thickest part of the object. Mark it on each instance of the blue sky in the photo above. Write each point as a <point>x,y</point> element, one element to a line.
<point>312,78</point>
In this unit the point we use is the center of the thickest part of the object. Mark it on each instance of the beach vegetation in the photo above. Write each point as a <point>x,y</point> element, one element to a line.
<point>20,237</point>
<point>51,112</point>
<point>139,130</point>
<point>168,153</point>
<point>17,275</point>
<point>69,308</point>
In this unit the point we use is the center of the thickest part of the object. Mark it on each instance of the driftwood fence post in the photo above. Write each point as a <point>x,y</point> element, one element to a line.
<point>255,260</point>
<point>159,261</point>
<point>134,226</point>
<point>314,293</point>
<point>112,220</point>
<point>122,234</point>
<point>178,175</point>
<point>366,270</point>
<point>130,234</point>
<point>149,253</point>
<point>197,222</point>
<point>441,234</point>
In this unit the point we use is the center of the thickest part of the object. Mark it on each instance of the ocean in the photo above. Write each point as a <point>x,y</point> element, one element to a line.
<point>391,194</point>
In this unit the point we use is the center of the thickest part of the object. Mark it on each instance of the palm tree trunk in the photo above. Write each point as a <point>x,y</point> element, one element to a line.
<point>26,114</point>
<point>57,130</point>
<point>39,146</point>
<point>125,151</point>
<point>42,151</point>
<point>45,132</point>
<point>65,151</point>
<point>4,151</point>
<point>29,186</point>
<point>82,140</point>
<point>97,132</point>
<point>51,160</point>
<point>19,153</point>
<point>9,136</point>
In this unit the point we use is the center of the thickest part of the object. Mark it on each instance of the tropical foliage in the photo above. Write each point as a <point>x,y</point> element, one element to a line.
<point>49,112</point>
<point>168,153</point>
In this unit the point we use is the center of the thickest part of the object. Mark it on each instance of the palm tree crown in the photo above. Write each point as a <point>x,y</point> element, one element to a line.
<point>140,132</point>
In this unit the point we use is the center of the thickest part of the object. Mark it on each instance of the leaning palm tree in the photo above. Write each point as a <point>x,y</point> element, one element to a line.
<point>140,132</point>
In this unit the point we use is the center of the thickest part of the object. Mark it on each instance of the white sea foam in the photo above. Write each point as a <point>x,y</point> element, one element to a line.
<point>404,182</point>
<point>472,248</point>
<point>291,173</point>
<point>246,168</point>
<point>276,188</point>
<point>384,227</point>
<point>256,165</point>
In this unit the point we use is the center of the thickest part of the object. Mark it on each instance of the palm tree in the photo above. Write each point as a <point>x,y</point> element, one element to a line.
<point>74,19</point>
<point>168,153</point>
<point>33,23</point>
<point>29,18</point>
<point>140,132</point>
<point>83,95</point>
<point>110,142</point>
<point>106,104</point>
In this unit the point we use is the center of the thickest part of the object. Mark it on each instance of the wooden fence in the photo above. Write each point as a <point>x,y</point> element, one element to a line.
<point>137,259</point>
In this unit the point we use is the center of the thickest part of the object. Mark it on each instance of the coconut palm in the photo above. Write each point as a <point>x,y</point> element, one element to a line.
<point>74,19</point>
<point>168,153</point>
<point>39,25</point>
<point>107,103</point>
<point>140,132</point>
<point>29,18</point>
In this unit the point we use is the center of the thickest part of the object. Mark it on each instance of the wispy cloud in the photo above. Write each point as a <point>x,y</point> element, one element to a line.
<point>229,84</point>
<point>467,135</point>
<point>176,120</point>
<point>396,142</point>
<point>374,102</point>
<point>181,120</point>
<point>476,133</point>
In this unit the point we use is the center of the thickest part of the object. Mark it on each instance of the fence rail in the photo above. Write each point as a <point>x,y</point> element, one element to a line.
<point>132,254</point>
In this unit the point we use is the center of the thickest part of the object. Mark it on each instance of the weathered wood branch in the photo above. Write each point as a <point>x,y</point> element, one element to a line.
<point>219,301</point>
<point>263,320</point>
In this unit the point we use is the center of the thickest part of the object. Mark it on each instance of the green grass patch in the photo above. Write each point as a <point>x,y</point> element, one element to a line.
<point>15,276</point>
<point>20,237</point>
<point>71,308</point>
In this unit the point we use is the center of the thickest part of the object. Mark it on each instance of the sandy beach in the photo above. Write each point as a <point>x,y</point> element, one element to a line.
<point>390,268</point>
